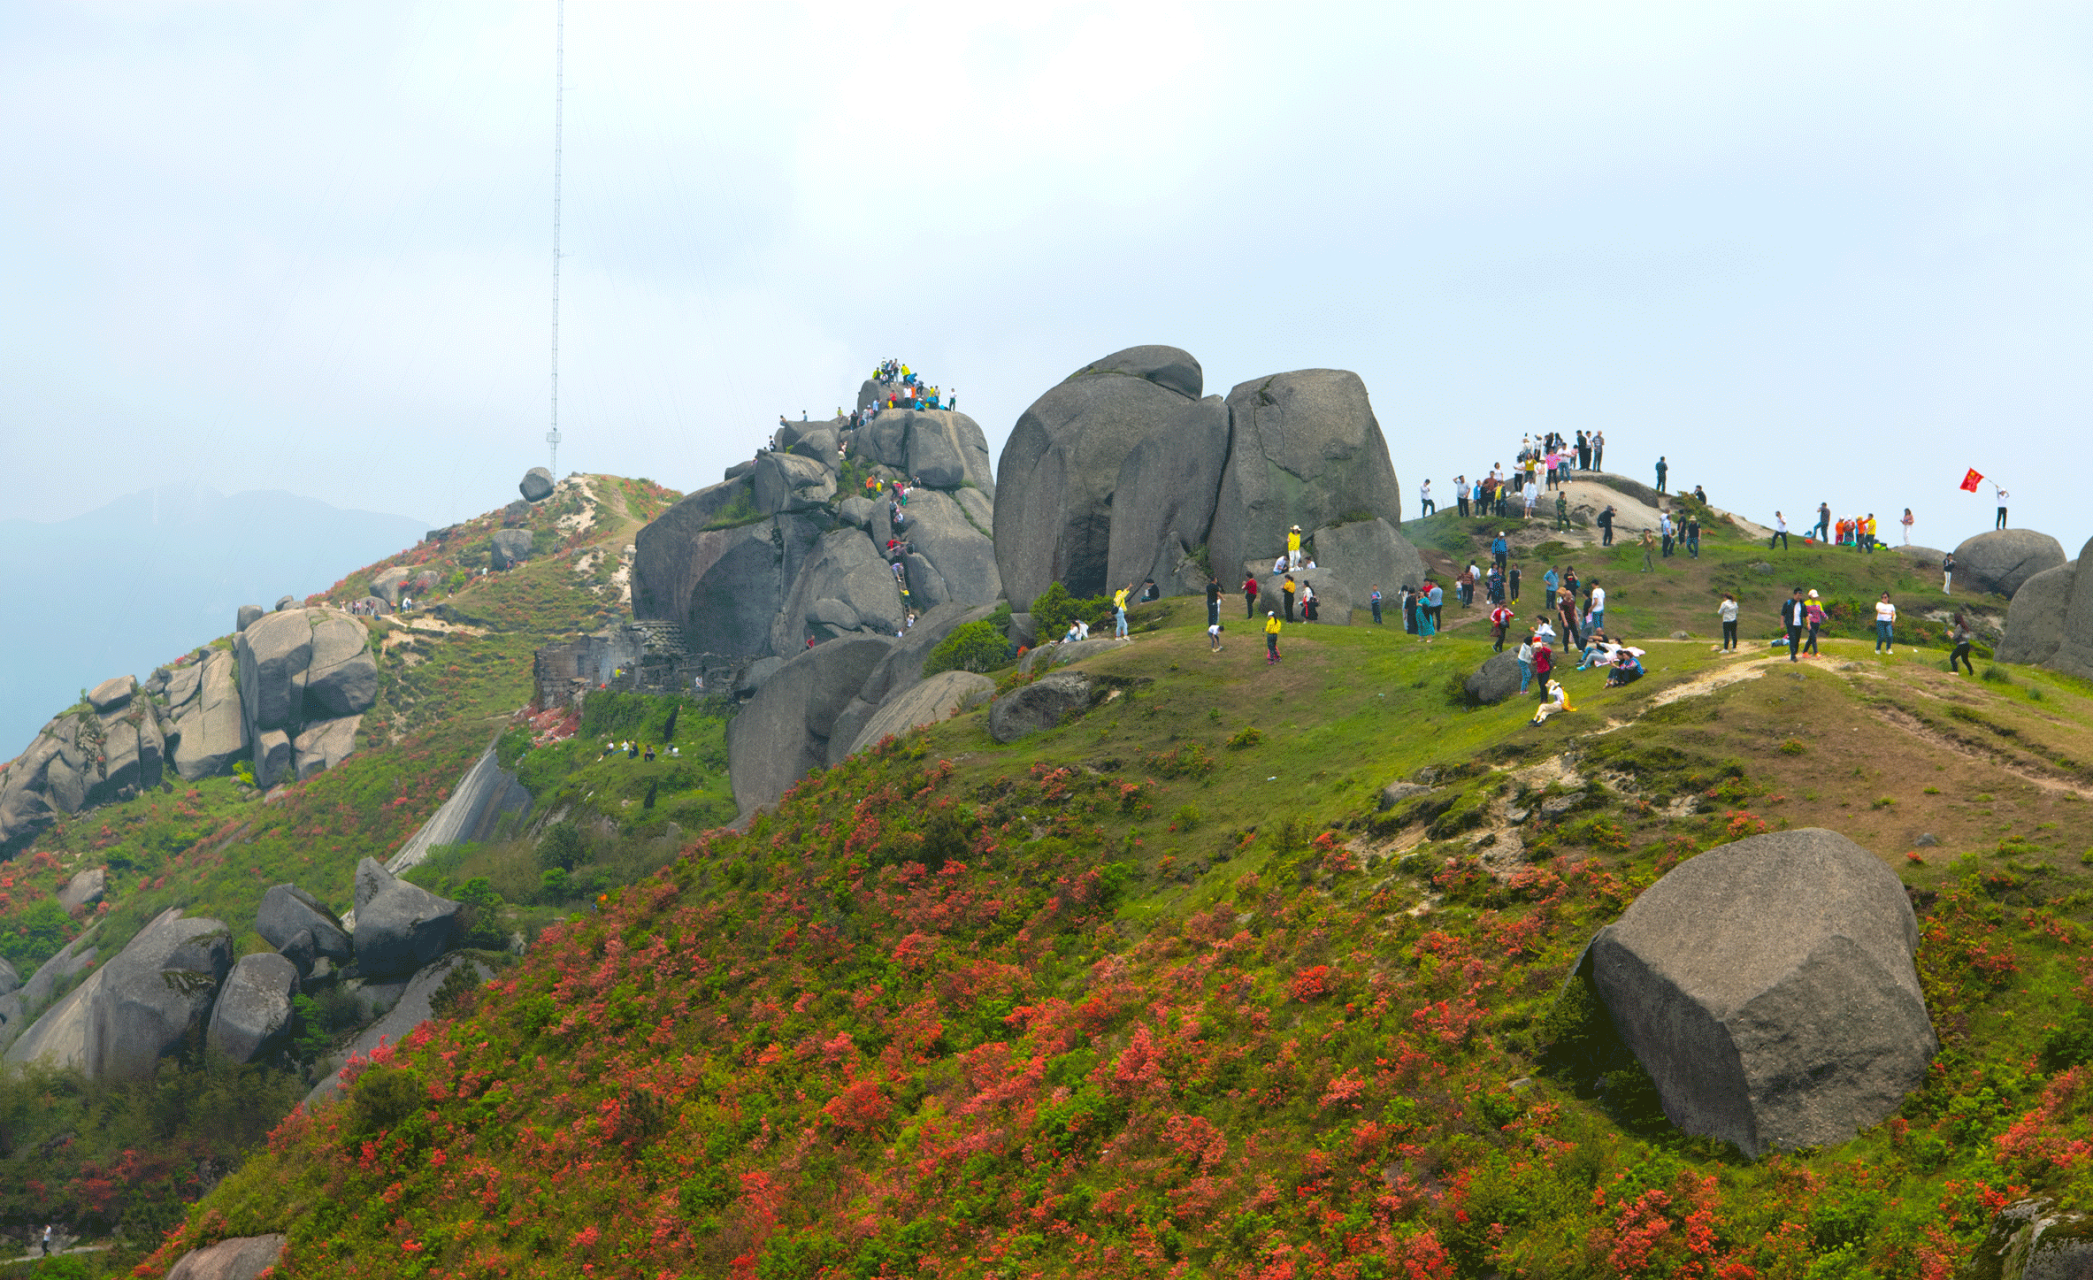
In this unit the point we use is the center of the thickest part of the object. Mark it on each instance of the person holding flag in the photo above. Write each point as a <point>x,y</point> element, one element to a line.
<point>1972,478</point>
<point>2002,496</point>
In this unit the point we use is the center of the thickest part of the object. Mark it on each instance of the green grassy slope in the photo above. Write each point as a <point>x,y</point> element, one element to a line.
<point>1162,991</point>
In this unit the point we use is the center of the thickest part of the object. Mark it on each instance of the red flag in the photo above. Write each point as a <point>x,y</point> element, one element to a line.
<point>1970,481</point>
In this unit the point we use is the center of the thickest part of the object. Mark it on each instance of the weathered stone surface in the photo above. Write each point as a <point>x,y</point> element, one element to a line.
<point>2074,651</point>
<point>2034,1240</point>
<point>1060,653</point>
<point>1333,602</point>
<point>342,678</point>
<point>112,694</point>
<point>782,733</point>
<point>1495,680</point>
<point>1059,467</point>
<point>400,927</point>
<point>153,994</point>
<point>240,1258</point>
<point>1767,987</point>
<point>940,697</point>
<point>1365,554</point>
<point>323,745</point>
<point>252,1015</point>
<point>286,602</point>
<point>725,585</point>
<point>287,911</point>
<point>1304,448</point>
<point>754,674</point>
<point>509,548</point>
<point>248,615</point>
<point>10,981</point>
<point>2000,561</point>
<point>212,726</point>
<point>1396,792</point>
<point>2037,619</point>
<point>786,482</point>
<point>856,512</point>
<point>961,555</point>
<point>843,588</point>
<point>1043,704</point>
<point>903,664</point>
<point>816,440</point>
<point>386,585</point>
<point>739,469</point>
<point>273,653</point>
<point>132,751</point>
<point>84,888</point>
<point>273,759</point>
<point>946,450</point>
<point>1927,557</point>
<point>182,685</point>
<point>471,815</point>
<point>1163,502</point>
<point>536,485</point>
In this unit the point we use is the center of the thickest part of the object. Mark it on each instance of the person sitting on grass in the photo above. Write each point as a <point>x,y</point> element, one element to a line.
<point>1626,669</point>
<point>1555,699</point>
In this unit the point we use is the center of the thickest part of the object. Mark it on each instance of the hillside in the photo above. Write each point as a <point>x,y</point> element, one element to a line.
<point>1168,990</point>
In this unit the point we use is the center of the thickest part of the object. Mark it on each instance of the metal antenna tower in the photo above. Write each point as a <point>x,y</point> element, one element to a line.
<point>559,105</point>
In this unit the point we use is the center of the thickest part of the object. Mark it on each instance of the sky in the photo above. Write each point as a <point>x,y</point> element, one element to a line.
<point>1807,252</point>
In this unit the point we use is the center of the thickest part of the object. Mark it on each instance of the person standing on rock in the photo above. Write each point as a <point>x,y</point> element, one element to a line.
<point>1906,522</point>
<point>1727,611</point>
<point>1961,653</point>
<point>1813,611</point>
<point>1598,451</point>
<point>1213,601</point>
<point>1425,505</point>
<point>1947,572</point>
<point>1249,595</point>
<point>1293,547</point>
<point>1794,613</point>
<point>1460,493</point>
<point>1606,526</point>
<point>1662,471</point>
<point>1885,625</point>
<point>1375,600</point>
<point>2002,496</point>
<point>1780,533</point>
<point>1271,637</point>
<point>1119,611</point>
<point>1584,452</point>
<point>1693,535</point>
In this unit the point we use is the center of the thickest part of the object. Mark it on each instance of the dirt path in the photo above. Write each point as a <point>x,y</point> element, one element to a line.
<point>1935,738</point>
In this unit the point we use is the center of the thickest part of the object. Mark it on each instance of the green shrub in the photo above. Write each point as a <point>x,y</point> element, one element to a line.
<point>1054,608</point>
<point>1997,675</point>
<point>35,934</point>
<point>977,647</point>
<point>1247,736</point>
<point>1186,818</point>
<point>562,847</point>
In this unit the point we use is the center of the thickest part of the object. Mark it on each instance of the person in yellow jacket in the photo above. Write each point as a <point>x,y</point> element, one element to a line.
<point>1271,637</point>
<point>1558,699</point>
<point>1293,547</point>
<point>1119,611</point>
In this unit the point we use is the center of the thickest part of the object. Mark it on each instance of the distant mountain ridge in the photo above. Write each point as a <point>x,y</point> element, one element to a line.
<point>150,575</point>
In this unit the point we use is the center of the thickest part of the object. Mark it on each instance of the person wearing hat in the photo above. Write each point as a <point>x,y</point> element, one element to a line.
<point>1293,547</point>
<point>1813,609</point>
<point>1271,637</point>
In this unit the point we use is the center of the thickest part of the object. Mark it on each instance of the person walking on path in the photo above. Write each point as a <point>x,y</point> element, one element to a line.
<point>1249,595</point>
<point>1947,572</point>
<point>1425,505</point>
<point>1119,611</point>
<point>47,1226</point>
<point>1662,471</point>
<point>1511,583</point>
<point>1500,622</point>
<point>2002,496</point>
<point>1271,638</point>
<point>1598,451</point>
<point>1885,625</point>
<point>1793,615</point>
<point>1906,522</point>
<point>1375,600</point>
<point>1649,544</point>
<point>1813,610</point>
<point>1606,527</point>
<point>1288,588</point>
<point>1500,550</point>
<point>1693,535</point>
<point>1824,522</point>
<point>1213,601</point>
<point>1727,611</point>
<point>1961,639</point>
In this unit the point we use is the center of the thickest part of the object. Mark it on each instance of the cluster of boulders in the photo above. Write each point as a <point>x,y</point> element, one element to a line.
<point>292,689</point>
<point>2050,622</point>
<point>178,978</point>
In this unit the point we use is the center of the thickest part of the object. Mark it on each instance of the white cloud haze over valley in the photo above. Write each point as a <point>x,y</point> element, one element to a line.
<point>1808,252</point>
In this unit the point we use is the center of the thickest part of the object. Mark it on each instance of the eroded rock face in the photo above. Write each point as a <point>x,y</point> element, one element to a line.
<point>154,993</point>
<point>240,1258</point>
<point>212,726</point>
<point>252,1016</point>
<point>1062,460</point>
<point>536,486</point>
<point>724,582</point>
<point>940,697</point>
<point>2039,616</point>
<point>954,561</point>
<point>782,734</point>
<point>2000,561</point>
<point>273,653</point>
<point>510,547</point>
<point>947,450</point>
<point>1043,704</point>
<point>1364,554</point>
<point>1163,502</point>
<point>844,587</point>
<point>287,911</point>
<point>2034,1240</point>
<point>1304,448</point>
<point>1767,987</point>
<point>400,927</point>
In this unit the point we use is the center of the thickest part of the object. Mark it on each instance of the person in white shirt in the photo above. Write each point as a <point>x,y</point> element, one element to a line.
<point>1885,624</point>
<point>1727,611</point>
<point>1780,533</point>
<point>1425,505</point>
<point>1598,608</point>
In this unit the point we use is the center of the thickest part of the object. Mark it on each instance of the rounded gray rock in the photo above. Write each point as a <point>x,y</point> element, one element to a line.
<point>273,654</point>
<point>1043,704</point>
<point>782,733</point>
<point>1163,502</point>
<point>287,911</point>
<point>510,548</point>
<point>1767,987</point>
<point>248,615</point>
<point>1495,680</point>
<point>240,1258</point>
<point>2000,561</point>
<point>399,926</point>
<point>536,486</point>
<point>2036,620</point>
<point>252,1015</point>
<point>152,994</point>
<point>927,702</point>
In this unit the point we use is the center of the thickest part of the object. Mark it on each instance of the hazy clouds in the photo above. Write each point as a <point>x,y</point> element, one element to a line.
<point>1829,251</point>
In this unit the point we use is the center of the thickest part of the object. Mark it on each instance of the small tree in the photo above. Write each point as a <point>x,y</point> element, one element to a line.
<point>976,647</point>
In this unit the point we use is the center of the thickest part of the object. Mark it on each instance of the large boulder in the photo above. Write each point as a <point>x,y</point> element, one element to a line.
<point>400,927</point>
<point>782,734</point>
<point>386,584</point>
<point>2036,620</point>
<point>940,697</point>
<point>2000,561</point>
<point>509,548</point>
<point>788,482</point>
<point>947,450</point>
<point>2034,1240</point>
<point>1767,987</point>
<point>1043,704</point>
<point>536,486</point>
<point>1163,502</point>
<point>1495,680</point>
<point>288,911</point>
<point>958,561</point>
<point>247,615</point>
<point>133,751</point>
<point>240,1258</point>
<point>274,761</point>
<point>155,992</point>
<point>1059,467</point>
<point>816,440</point>
<point>1363,554</point>
<point>112,694</point>
<point>1304,449</point>
<point>342,678</point>
<point>274,654</point>
<point>212,726</point>
<point>1060,653</point>
<point>86,887</point>
<point>252,1016</point>
<point>712,564</point>
<point>323,745</point>
<point>843,588</point>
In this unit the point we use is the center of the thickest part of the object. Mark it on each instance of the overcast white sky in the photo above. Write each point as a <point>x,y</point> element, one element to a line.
<point>1808,251</point>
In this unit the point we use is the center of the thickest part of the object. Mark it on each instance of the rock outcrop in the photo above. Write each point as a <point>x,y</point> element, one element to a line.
<point>508,548</point>
<point>400,927</point>
<point>1495,680</point>
<point>1363,554</point>
<point>939,697</point>
<point>85,887</point>
<point>2000,561</point>
<point>2039,616</point>
<point>300,668</point>
<point>782,734</point>
<point>288,911</point>
<point>409,1007</point>
<point>210,727</point>
<point>1767,987</point>
<point>240,1258</point>
<point>844,588</point>
<point>2034,1240</point>
<point>483,797</point>
<point>1163,501</point>
<point>537,485</point>
<point>252,1016</point>
<point>1043,704</point>
<point>155,992</point>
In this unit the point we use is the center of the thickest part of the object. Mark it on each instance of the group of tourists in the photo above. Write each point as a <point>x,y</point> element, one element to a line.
<point>904,388</point>
<point>1540,464</point>
<point>640,750</point>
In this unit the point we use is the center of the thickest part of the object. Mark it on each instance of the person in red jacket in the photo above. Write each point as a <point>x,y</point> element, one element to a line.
<point>1250,595</point>
<point>1543,664</point>
<point>1500,618</point>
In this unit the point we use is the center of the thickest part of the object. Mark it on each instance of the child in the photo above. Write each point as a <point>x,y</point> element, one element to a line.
<point>1213,636</point>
